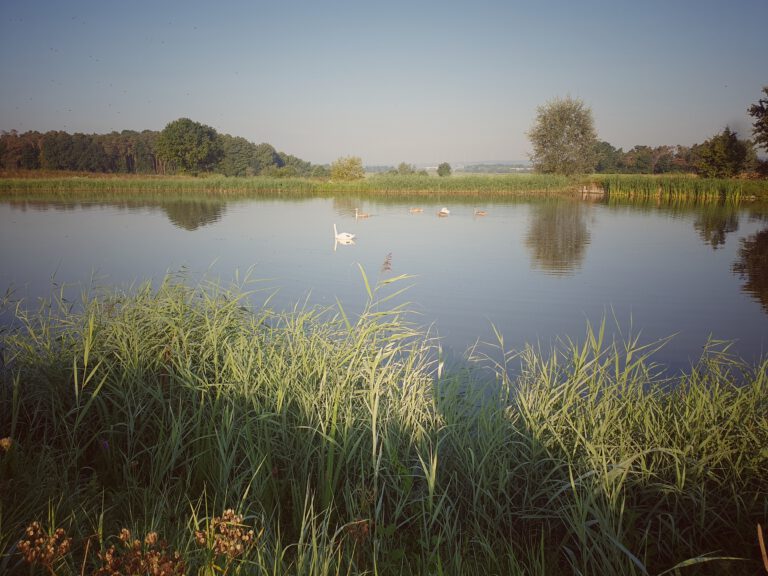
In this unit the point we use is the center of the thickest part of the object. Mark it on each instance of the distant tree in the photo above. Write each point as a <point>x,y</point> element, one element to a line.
<point>640,160</point>
<point>237,156</point>
<point>20,151</point>
<point>759,112</point>
<point>56,151</point>
<point>563,138</point>
<point>264,157</point>
<point>683,160</point>
<point>279,171</point>
<point>320,171</point>
<point>187,146</point>
<point>296,166</point>
<point>347,168</point>
<point>607,158</point>
<point>144,156</point>
<point>444,169</point>
<point>663,159</point>
<point>88,155</point>
<point>724,155</point>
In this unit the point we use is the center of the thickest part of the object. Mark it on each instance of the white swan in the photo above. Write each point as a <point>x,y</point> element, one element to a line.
<point>342,237</point>
<point>443,211</point>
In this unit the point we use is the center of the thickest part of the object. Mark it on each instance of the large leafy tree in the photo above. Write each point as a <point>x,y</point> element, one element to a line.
<point>187,146</point>
<point>444,169</point>
<point>724,155</point>
<point>563,138</point>
<point>348,168</point>
<point>759,112</point>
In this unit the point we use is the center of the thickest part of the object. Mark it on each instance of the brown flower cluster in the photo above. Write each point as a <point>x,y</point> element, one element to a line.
<point>5,444</point>
<point>359,530</point>
<point>37,547</point>
<point>226,535</point>
<point>151,558</point>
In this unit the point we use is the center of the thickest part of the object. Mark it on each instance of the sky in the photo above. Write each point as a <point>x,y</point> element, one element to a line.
<point>414,81</point>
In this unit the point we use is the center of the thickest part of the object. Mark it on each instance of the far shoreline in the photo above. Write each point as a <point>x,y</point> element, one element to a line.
<point>485,185</point>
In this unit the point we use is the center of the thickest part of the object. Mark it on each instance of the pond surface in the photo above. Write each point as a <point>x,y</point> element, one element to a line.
<point>537,270</point>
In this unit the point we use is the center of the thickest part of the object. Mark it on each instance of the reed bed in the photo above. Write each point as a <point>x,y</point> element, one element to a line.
<point>180,427</point>
<point>636,186</point>
<point>380,184</point>
<point>681,187</point>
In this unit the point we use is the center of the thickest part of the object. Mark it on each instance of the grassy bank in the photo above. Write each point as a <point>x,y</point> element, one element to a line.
<point>674,186</point>
<point>313,443</point>
<point>681,187</point>
<point>380,185</point>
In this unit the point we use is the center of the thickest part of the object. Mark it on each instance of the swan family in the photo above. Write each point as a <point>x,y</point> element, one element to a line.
<point>348,238</point>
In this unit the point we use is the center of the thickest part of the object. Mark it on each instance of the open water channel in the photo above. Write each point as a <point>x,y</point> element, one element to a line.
<point>537,270</point>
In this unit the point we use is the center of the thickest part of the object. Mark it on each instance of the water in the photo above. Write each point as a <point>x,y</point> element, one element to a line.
<point>536,270</point>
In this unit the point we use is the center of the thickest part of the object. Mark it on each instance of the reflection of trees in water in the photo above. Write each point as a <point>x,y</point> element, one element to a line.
<point>558,236</point>
<point>752,264</point>
<point>715,221</point>
<point>345,205</point>
<point>190,215</point>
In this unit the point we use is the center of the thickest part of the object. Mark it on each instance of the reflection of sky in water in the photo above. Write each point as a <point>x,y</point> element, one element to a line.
<point>654,270</point>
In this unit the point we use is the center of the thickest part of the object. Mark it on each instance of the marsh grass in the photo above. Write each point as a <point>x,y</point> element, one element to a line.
<point>681,188</point>
<point>232,187</point>
<point>342,446</point>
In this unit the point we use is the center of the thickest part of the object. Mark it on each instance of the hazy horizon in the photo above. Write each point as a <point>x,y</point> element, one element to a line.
<point>396,82</point>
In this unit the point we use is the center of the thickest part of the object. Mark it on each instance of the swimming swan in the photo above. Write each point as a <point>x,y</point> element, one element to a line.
<point>359,214</point>
<point>343,237</point>
<point>443,211</point>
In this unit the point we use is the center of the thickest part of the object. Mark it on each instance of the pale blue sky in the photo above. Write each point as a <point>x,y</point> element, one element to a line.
<point>420,82</point>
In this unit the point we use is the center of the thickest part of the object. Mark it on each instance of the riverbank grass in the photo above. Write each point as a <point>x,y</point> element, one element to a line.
<point>182,426</point>
<point>388,186</point>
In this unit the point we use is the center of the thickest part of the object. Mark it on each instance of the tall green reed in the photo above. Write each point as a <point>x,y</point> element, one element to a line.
<point>342,441</point>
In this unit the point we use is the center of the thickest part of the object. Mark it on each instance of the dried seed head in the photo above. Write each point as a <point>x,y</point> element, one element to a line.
<point>37,547</point>
<point>228,535</point>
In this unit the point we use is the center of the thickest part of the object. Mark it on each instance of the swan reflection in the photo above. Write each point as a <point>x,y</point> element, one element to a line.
<point>342,241</point>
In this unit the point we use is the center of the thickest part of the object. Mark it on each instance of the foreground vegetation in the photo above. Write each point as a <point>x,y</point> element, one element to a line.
<point>179,428</point>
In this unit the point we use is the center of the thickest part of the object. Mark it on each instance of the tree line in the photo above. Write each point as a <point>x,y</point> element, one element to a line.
<point>182,147</point>
<point>564,141</point>
<point>722,156</point>
<point>563,137</point>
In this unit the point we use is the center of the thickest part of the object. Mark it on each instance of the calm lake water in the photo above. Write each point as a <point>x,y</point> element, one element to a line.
<point>536,270</point>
